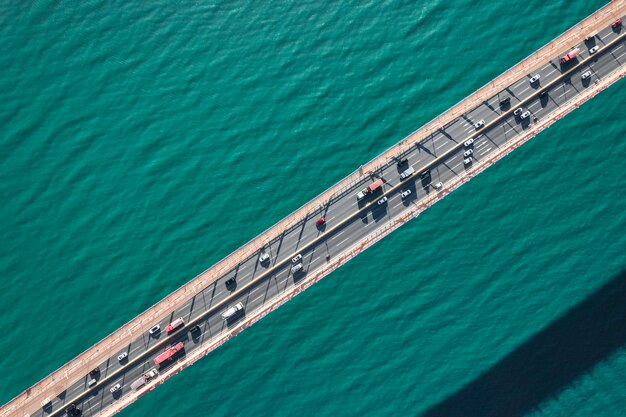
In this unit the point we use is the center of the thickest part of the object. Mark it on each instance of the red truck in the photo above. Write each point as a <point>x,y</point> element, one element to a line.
<point>370,189</point>
<point>175,325</point>
<point>169,353</point>
<point>570,55</point>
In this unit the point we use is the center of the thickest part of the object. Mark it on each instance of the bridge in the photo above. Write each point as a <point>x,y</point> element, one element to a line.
<point>445,153</point>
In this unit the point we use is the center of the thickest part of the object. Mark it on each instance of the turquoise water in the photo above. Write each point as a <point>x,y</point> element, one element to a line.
<point>132,133</point>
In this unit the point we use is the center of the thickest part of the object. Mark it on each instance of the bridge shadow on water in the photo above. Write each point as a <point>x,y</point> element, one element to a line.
<point>548,362</point>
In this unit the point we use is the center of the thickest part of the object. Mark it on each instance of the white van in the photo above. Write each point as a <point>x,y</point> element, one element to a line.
<point>231,311</point>
<point>296,268</point>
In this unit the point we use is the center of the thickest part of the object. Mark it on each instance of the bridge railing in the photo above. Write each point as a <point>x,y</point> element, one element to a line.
<point>77,368</point>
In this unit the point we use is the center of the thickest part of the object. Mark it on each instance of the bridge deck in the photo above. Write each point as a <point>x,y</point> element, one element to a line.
<point>420,145</point>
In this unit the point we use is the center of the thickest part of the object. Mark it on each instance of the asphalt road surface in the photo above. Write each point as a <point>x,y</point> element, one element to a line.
<point>278,276</point>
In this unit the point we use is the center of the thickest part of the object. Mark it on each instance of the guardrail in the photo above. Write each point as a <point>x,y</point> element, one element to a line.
<point>377,234</point>
<point>372,238</point>
<point>62,378</point>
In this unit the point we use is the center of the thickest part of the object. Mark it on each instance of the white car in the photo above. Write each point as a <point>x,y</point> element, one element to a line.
<point>264,258</point>
<point>382,201</point>
<point>467,160</point>
<point>297,268</point>
<point>405,194</point>
<point>479,124</point>
<point>469,142</point>
<point>534,78</point>
<point>296,258</point>
<point>122,356</point>
<point>115,388</point>
<point>438,186</point>
<point>586,75</point>
<point>468,152</point>
<point>518,111</point>
<point>154,330</point>
<point>151,373</point>
<point>232,311</point>
<point>594,49</point>
<point>525,115</point>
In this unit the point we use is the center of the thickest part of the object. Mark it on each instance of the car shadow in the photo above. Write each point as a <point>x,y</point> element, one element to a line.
<point>299,275</point>
<point>196,336</point>
<point>231,284</point>
<point>379,212</point>
<point>401,164</point>
<point>586,82</point>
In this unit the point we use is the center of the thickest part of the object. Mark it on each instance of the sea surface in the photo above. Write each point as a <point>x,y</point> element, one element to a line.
<point>141,142</point>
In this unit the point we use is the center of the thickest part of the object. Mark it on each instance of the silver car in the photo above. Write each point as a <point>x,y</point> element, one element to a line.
<point>382,201</point>
<point>534,78</point>
<point>296,258</point>
<point>296,268</point>
<point>586,75</point>
<point>467,160</point>
<point>405,194</point>
<point>264,258</point>
<point>479,124</point>
<point>594,50</point>
<point>122,356</point>
<point>525,115</point>
<point>518,111</point>
<point>115,388</point>
<point>154,330</point>
<point>469,142</point>
<point>468,152</point>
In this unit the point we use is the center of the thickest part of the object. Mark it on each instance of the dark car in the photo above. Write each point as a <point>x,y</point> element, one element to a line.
<point>402,162</point>
<point>505,101</point>
<point>195,330</point>
<point>230,282</point>
<point>425,174</point>
<point>72,411</point>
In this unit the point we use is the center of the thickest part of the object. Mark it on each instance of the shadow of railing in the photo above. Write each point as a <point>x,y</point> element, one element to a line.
<point>548,362</point>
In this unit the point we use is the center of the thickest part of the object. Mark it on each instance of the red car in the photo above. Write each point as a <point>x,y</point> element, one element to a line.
<point>617,23</point>
<point>175,324</point>
<point>320,222</point>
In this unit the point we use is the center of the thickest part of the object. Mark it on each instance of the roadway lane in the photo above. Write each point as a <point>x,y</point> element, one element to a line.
<point>305,232</point>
